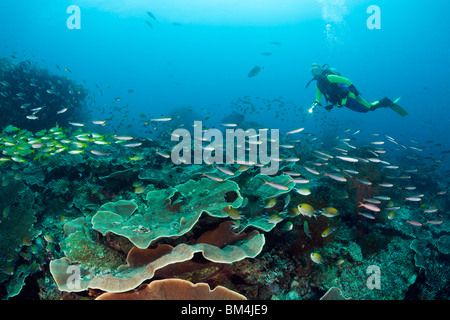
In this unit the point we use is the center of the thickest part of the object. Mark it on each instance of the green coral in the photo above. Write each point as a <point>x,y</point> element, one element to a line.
<point>397,274</point>
<point>17,223</point>
<point>80,246</point>
<point>419,248</point>
<point>169,212</point>
<point>443,244</point>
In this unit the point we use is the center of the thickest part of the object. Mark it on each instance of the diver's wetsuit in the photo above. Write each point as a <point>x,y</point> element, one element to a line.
<point>340,91</point>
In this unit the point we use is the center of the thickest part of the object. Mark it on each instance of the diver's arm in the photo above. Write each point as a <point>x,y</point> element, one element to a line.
<point>318,96</point>
<point>317,102</point>
<point>338,79</point>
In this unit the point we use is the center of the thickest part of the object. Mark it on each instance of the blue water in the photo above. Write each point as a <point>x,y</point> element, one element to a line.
<point>202,62</point>
<point>199,56</point>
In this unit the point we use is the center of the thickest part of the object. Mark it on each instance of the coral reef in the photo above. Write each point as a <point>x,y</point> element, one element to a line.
<point>88,215</point>
<point>175,289</point>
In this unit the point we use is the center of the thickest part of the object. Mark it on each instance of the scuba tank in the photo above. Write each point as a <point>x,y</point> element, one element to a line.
<point>333,92</point>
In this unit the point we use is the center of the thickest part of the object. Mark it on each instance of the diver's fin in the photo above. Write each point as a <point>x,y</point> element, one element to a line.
<point>397,100</point>
<point>399,109</point>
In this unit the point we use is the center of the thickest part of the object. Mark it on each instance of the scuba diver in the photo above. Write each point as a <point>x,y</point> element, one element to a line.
<point>341,92</point>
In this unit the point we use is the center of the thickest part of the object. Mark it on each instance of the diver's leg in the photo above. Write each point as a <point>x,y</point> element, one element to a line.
<point>387,103</point>
<point>383,103</point>
<point>357,105</point>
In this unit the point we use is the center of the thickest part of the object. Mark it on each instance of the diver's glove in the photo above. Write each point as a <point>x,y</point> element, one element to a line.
<point>353,89</point>
<point>329,107</point>
<point>313,105</point>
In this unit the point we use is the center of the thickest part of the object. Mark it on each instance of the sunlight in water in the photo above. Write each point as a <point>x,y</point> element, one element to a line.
<point>216,12</point>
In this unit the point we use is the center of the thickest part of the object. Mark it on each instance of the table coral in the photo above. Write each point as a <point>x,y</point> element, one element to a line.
<point>175,289</point>
<point>169,212</point>
<point>128,277</point>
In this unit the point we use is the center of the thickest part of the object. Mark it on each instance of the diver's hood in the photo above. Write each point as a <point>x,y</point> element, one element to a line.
<point>326,70</point>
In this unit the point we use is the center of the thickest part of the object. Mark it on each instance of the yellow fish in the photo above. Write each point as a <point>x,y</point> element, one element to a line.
<point>139,189</point>
<point>340,261</point>
<point>234,213</point>
<point>101,142</point>
<point>49,238</point>
<point>137,184</point>
<point>26,241</point>
<point>327,232</point>
<point>293,212</point>
<point>274,218</point>
<point>316,258</point>
<point>6,211</point>
<point>243,168</point>
<point>303,191</point>
<point>17,159</point>
<point>306,210</point>
<point>329,212</point>
<point>270,203</point>
<point>76,151</point>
